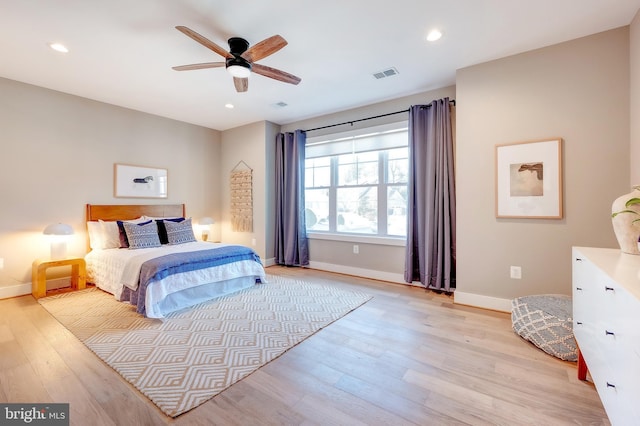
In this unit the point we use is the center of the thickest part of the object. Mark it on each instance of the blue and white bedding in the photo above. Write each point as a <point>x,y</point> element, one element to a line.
<point>163,279</point>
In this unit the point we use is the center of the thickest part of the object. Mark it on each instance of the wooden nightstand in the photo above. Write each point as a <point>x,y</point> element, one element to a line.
<point>39,274</point>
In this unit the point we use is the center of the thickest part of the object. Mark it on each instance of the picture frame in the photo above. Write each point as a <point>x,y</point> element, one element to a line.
<point>528,179</point>
<point>139,181</point>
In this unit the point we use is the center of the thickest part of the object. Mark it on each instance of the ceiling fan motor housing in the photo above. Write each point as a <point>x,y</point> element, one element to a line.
<point>237,46</point>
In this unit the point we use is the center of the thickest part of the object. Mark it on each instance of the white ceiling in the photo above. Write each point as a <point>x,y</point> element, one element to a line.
<point>122,51</point>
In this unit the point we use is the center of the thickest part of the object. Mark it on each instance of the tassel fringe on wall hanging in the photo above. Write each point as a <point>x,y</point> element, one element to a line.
<point>242,199</point>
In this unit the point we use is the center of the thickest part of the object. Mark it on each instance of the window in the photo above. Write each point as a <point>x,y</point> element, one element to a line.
<point>356,183</point>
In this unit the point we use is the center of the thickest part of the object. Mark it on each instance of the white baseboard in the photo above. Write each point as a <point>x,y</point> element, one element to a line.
<point>480,301</point>
<point>15,290</point>
<point>470,299</point>
<point>269,262</point>
<point>358,272</point>
<point>25,288</point>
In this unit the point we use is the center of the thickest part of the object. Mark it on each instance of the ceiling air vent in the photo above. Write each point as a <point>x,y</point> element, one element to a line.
<point>386,73</point>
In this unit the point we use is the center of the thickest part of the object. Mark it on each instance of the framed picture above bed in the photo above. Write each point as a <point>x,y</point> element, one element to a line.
<point>529,179</point>
<point>139,181</point>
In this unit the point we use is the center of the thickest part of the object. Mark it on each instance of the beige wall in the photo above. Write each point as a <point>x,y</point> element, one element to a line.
<point>58,154</point>
<point>373,260</point>
<point>255,145</point>
<point>577,90</point>
<point>634,49</point>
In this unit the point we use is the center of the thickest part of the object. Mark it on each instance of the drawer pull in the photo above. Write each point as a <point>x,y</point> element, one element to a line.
<point>579,288</point>
<point>610,385</point>
<point>607,288</point>
<point>579,322</point>
<point>609,333</point>
<point>578,259</point>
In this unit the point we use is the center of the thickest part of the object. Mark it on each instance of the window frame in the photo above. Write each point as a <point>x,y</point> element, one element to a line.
<point>382,186</point>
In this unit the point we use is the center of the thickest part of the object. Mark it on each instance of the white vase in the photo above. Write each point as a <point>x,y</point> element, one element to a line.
<point>627,232</point>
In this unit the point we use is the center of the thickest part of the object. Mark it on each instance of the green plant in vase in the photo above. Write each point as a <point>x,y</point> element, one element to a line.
<point>632,202</point>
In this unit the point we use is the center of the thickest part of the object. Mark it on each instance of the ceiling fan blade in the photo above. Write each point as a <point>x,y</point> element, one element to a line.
<point>275,74</point>
<point>204,41</point>
<point>242,84</point>
<point>265,48</point>
<point>199,66</point>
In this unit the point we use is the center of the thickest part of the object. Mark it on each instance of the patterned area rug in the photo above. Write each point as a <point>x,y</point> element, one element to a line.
<point>195,354</point>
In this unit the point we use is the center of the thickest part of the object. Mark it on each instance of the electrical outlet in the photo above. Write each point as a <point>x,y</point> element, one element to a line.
<point>356,249</point>
<point>516,272</point>
<point>1,262</point>
<point>253,241</point>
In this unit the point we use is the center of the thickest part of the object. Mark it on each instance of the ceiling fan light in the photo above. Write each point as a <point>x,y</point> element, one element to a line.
<point>239,71</point>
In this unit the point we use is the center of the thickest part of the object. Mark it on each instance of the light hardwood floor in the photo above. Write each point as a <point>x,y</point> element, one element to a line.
<point>406,357</point>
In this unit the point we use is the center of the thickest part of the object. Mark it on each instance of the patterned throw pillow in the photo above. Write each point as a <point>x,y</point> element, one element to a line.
<point>179,232</point>
<point>142,235</point>
<point>122,234</point>
<point>162,231</point>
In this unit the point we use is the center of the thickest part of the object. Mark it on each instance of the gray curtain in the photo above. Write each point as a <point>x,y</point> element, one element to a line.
<point>431,235</point>
<point>291,246</point>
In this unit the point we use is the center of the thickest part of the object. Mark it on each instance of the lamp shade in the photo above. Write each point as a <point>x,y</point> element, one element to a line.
<point>239,70</point>
<point>58,235</point>
<point>58,229</point>
<point>239,67</point>
<point>206,221</point>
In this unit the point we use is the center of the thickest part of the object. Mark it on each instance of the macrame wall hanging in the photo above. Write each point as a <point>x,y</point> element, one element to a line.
<point>242,198</point>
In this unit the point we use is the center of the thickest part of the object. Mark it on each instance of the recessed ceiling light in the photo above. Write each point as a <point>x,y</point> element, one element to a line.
<point>59,47</point>
<point>434,35</point>
<point>228,106</point>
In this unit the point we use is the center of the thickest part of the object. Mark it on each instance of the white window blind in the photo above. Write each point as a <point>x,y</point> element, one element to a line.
<point>376,138</point>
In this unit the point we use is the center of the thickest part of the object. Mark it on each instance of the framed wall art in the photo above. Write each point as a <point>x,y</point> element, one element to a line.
<point>139,181</point>
<point>529,179</point>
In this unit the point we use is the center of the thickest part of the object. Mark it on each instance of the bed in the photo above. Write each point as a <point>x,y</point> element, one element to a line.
<point>147,255</point>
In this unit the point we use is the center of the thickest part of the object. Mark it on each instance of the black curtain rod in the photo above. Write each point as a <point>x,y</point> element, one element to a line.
<point>453,102</point>
<point>355,121</point>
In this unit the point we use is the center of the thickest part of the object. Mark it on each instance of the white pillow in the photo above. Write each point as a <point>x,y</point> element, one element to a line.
<point>94,228</point>
<point>110,234</point>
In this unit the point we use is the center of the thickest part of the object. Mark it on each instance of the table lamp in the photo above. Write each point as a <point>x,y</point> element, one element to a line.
<point>204,224</point>
<point>59,234</point>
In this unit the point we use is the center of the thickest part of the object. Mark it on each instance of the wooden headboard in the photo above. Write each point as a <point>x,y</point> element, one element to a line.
<point>133,211</point>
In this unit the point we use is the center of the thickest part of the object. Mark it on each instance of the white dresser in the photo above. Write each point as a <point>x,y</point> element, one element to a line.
<point>606,325</point>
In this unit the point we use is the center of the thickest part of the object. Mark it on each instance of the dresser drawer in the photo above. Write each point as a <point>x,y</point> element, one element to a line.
<point>583,291</point>
<point>621,319</point>
<point>617,396</point>
<point>588,310</point>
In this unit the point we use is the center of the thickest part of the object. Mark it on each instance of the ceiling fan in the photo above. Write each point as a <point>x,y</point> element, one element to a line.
<point>240,59</point>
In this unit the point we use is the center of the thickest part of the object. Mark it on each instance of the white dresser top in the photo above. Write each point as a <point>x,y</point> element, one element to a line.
<point>621,267</point>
